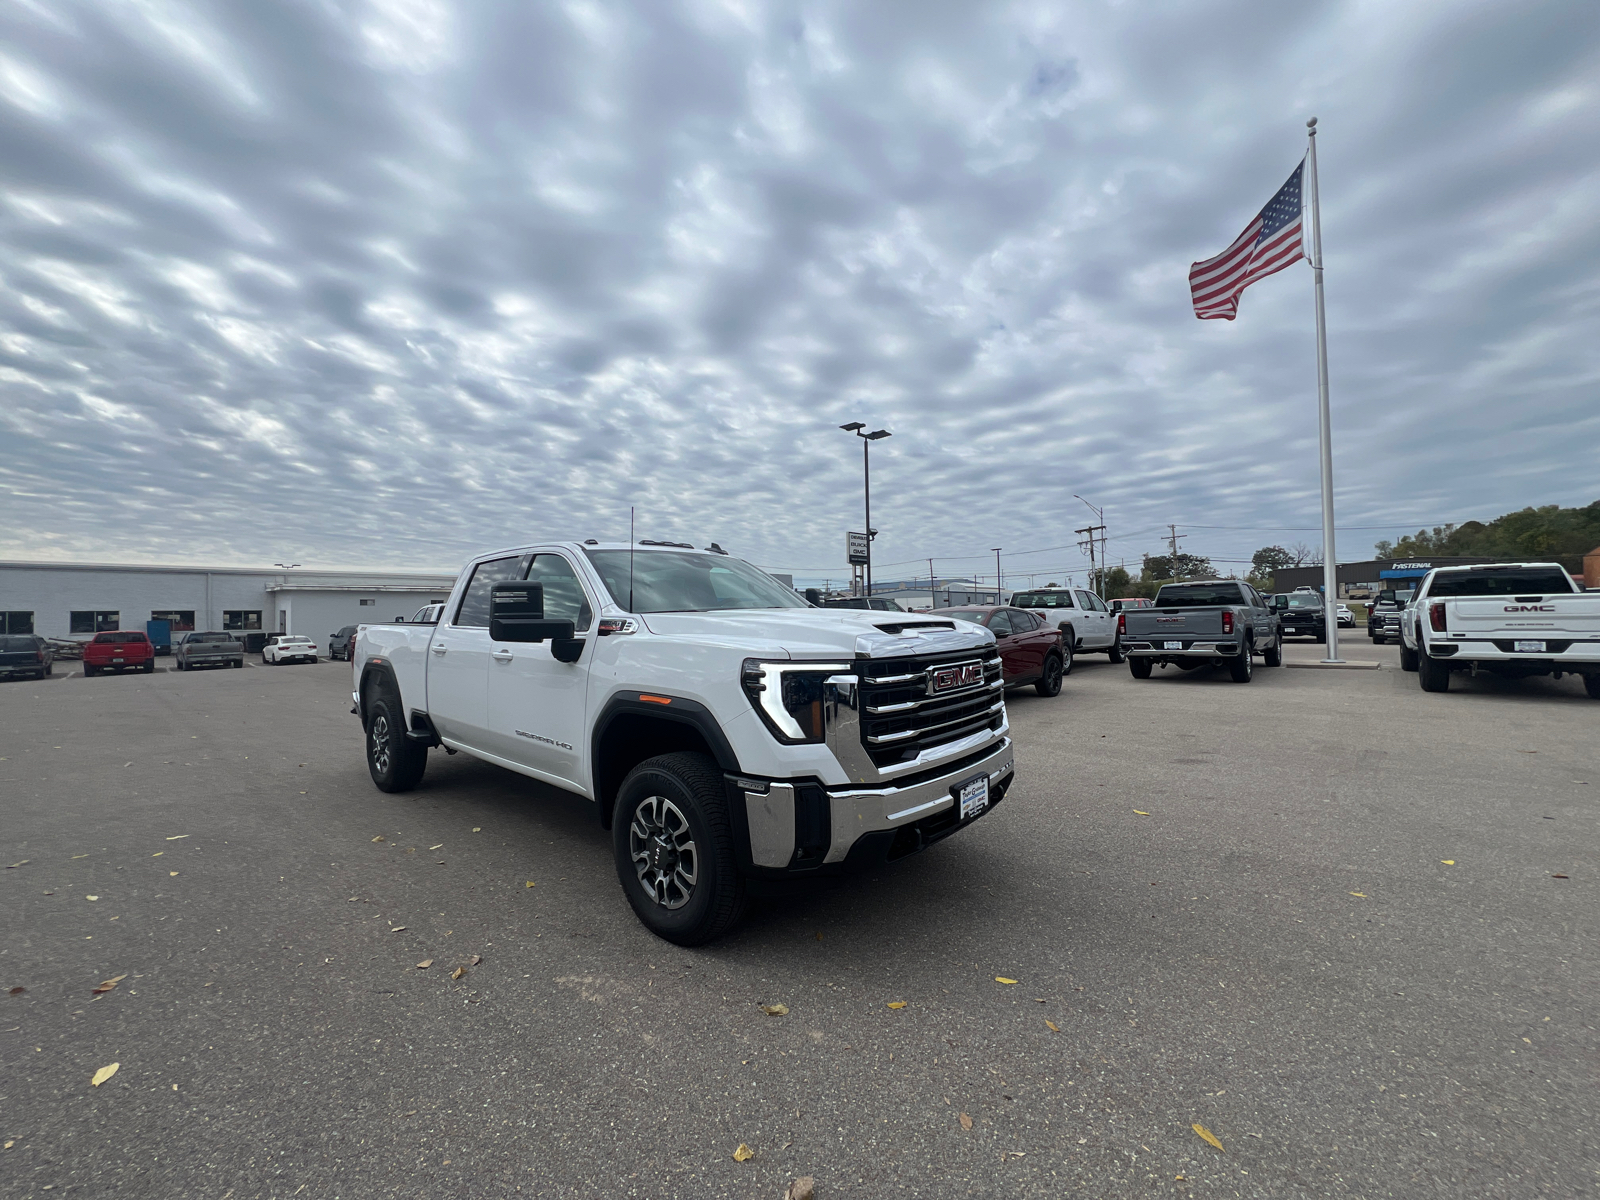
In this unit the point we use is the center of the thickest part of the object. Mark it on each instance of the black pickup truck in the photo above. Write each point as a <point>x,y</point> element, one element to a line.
<point>1302,614</point>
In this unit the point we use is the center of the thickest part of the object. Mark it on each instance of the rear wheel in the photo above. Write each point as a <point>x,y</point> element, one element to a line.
<point>1115,653</point>
<point>89,671</point>
<point>394,760</point>
<point>1242,666</point>
<point>149,667</point>
<point>1068,642</point>
<point>1139,668</point>
<point>1050,682</point>
<point>1591,684</point>
<point>672,840</point>
<point>1432,674</point>
<point>1408,657</point>
<point>1272,656</point>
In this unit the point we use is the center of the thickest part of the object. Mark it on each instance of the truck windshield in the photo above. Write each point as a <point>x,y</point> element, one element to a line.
<point>1189,596</point>
<point>1500,583</point>
<point>670,581</point>
<point>1307,600</point>
<point>1043,600</point>
<point>209,637</point>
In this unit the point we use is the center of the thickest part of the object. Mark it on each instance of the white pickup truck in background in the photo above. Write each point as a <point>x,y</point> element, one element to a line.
<point>731,735</point>
<point>1511,619</point>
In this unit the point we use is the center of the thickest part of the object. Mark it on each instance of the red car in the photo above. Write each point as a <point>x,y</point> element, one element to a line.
<point>119,650</point>
<point>1031,651</point>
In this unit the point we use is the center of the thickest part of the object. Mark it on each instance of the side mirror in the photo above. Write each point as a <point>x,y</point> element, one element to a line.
<point>516,614</point>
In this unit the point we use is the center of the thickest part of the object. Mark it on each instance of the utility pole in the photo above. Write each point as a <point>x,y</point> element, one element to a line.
<point>933,599</point>
<point>1091,532</point>
<point>998,584</point>
<point>1173,540</point>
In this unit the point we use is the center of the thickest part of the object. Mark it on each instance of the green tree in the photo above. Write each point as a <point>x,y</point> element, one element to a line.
<point>1549,533</point>
<point>1265,563</point>
<point>1157,568</point>
<point>1117,581</point>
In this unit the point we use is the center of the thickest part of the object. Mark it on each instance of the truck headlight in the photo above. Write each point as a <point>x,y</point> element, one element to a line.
<point>789,697</point>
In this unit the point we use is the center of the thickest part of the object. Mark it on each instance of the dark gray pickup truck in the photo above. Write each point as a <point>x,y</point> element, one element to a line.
<point>1208,622</point>
<point>209,650</point>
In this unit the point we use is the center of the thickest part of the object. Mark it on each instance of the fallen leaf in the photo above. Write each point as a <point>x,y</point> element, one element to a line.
<point>171,873</point>
<point>804,1188</point>
<point>76,857</point>
<point>108,984</point>
<point>1558,877</point>
<point>91,897</point>
<point>16,991</point>
<point>177,837</point>
<point>458,973</point>
<point>379,838</point>
<point>1363,895</point>
<point>775,1010</point>
<point>103,1074</point>
<point>398,929</point>
<point>477,829</point>
<point>23,863</point>
<point>158,854</point>
<point>897,1004</point>
<point>425,964</point>
<point>1054,1028</point>
<point>1139,813</point>
<point>1207,1136</point>
<point>966,1121</point>
<point>475,960</point>
<point>440,846</point>
<point>743,1153</point>
<point>529,884</point>
<point>1449,862</point>
<point>1003,979</point>
<point>1038,999</point>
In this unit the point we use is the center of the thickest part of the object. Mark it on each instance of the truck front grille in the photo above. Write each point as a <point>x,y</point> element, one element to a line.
<point>899,719</point>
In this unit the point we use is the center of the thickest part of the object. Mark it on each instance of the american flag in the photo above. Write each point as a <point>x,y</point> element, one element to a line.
<point>1269,243</point>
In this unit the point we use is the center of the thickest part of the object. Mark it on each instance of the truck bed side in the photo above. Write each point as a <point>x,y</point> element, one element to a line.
<point>403,651</point>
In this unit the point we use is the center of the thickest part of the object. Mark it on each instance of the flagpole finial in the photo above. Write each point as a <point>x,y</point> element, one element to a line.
<point>1311,124</point>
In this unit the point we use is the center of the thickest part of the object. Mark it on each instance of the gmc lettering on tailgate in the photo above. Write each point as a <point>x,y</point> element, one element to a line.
<point>1530,608</point>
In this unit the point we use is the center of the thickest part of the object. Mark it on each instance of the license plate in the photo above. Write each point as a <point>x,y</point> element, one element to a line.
<point>1291,629</point>
<point>1528,647</point>
<point>117,661</point>
<point>973,796</point>
<point>1172,645</point>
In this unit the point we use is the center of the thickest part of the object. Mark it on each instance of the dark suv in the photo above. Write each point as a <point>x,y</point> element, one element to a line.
<point>1302,615</point>
<point>25,654</point>
<point>343,644</point>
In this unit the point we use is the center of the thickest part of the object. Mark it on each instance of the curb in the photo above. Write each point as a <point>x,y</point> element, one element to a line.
<point>1347,665</point>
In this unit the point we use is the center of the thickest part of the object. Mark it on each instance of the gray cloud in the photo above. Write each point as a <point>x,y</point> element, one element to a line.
<point>386,283</point>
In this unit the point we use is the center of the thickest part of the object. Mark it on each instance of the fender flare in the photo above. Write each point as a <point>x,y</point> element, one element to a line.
<point>678,710</point>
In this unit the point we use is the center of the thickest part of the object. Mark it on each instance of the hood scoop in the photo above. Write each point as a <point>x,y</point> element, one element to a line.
<point>900,627</point>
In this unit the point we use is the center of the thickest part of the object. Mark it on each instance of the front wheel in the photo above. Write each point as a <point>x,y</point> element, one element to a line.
<point>395,762</point>
<point>1115,653</point>
<point>1242,667</point>
<point>1139,668</point>
<point>1050,682</point>
<point>672,839</point>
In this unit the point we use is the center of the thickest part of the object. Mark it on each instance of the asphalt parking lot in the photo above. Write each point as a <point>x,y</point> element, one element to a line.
<point>1346,926</point>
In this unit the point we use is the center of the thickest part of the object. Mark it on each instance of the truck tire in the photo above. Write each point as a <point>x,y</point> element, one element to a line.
<point>1591,684</point>
<point>395,762</point>
<point>88,671</point>
<point>1050,682</point>
<point>1408,656</point>
<point>1242,666</point>
<point>1272,656</point>
<point>1139,668</point>
<point>239,662</point>
<point>1115,653</point>
<point>1069,642</point>
<point>1432,674</point>
<point>672,840</point>
<point>149,667</point>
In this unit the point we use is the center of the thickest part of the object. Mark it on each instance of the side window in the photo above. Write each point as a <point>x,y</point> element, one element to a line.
<point>1000,624</point>
<point>1023,622</point>
<point>1085,602</point>
<point>474,610</point>
<point>1097,604</point>
<point>563,594</point>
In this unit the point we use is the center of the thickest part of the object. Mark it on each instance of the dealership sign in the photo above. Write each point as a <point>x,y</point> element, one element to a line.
<point>855,547</point>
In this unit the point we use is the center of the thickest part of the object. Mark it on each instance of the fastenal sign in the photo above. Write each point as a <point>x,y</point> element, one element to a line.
<point>855,548</point>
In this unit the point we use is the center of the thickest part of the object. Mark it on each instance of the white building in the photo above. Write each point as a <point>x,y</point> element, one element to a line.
<point>77,600</point>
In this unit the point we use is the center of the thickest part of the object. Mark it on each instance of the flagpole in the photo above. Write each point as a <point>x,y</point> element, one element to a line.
<point>1330,560</point>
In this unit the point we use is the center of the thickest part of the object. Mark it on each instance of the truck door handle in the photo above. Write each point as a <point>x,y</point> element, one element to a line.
<point>437,649</point>
<point>502,656</point>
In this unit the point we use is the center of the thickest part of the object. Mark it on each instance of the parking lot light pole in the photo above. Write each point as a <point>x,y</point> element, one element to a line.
<point>867,439</point>
<point>997,584</point>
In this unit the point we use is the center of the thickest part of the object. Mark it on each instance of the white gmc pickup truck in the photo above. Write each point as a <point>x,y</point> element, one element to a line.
<point>1511,619</point>
<point>731,735</point>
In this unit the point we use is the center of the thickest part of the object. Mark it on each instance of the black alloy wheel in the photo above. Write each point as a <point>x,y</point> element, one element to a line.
<point>1050,682</point>
<point>1139,667</point>
<point>395,762</point>
<point>1242,666</point>
<point>672,839</point>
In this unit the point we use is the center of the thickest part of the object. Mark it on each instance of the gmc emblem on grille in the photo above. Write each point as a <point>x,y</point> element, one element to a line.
<point>954,676</point>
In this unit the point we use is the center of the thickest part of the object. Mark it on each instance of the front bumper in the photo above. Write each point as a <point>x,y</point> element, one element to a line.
<point>1198,648</point>
<point>867,825</point>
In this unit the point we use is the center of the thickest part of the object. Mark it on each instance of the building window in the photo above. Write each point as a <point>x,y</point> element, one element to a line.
<point>16,622</point>
<point>95,621</point>
<point>241,618</point>
<point>182,620</point>
<point>368,603</point>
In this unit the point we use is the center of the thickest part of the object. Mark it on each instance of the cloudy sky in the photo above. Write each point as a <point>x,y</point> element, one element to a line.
<point>387,283</point>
